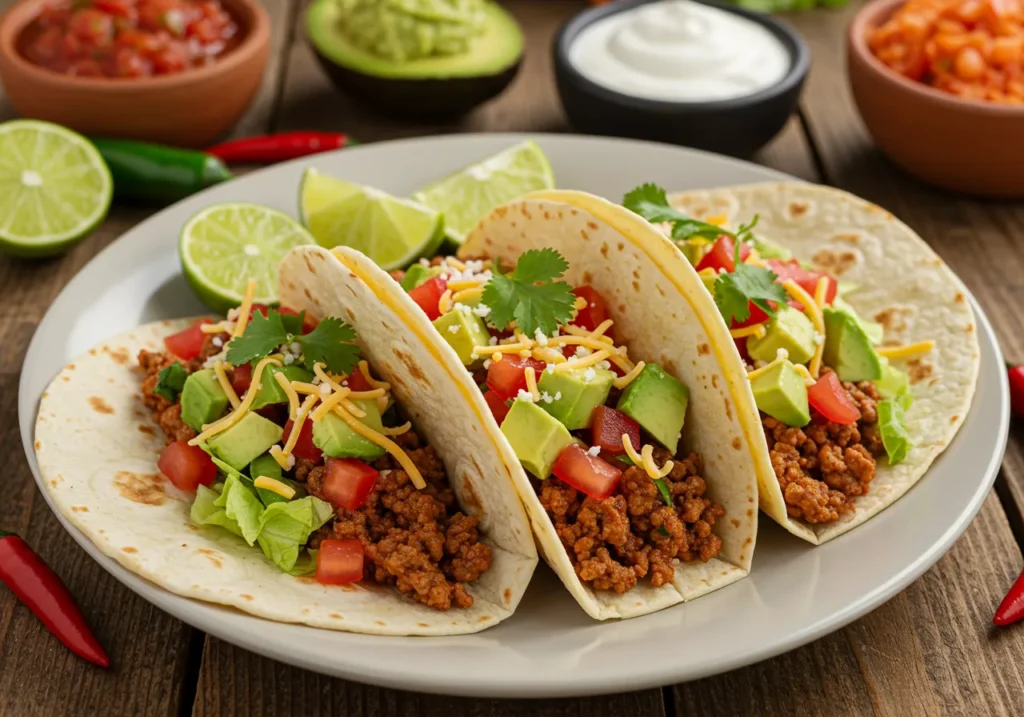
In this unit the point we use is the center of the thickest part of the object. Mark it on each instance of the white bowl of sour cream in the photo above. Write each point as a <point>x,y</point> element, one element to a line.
<point>695,73</point>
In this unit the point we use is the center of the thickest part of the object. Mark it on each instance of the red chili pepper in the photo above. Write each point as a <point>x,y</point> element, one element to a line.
<point>279,147</point>
<point>1011,609</point>
<point>35,584</point>
<point>1016,376</point>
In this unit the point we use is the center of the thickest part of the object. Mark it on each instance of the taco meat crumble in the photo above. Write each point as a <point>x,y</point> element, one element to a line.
<point>617,541</point>
<point>821,466</point>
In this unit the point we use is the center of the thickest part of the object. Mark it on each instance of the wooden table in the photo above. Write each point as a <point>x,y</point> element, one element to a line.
<point>928,651</point>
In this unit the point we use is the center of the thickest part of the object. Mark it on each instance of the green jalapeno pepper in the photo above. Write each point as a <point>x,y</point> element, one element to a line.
<point>157,174</point>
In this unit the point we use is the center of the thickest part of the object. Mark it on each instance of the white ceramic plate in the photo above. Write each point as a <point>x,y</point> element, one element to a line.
<point>795,593</point>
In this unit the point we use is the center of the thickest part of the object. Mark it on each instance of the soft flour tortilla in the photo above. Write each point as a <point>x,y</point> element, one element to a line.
<point>97,449</point>
<point>903,284</point>
<point>637,271</point>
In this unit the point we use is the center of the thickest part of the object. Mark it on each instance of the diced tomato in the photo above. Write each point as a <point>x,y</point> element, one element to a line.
<point>722,256</point>
<point>507,377</point>
<point>828,397</point>
<point>348,482</point>
<point>594,313</point>
<point>741,346</point>
<point>356,381</point>
<point>187,467</point>
<point>339,562</point>
<point>304,446</point>
<point>241,378</point>
<point>808,280</point>
<point>609,425</point>
<point>92,26</point>
<point>118,8</point>
<point>428,296</point>
<point>497,405</point>
<point>308,322</point>
<point>187,344</point>
<point>585,472</point>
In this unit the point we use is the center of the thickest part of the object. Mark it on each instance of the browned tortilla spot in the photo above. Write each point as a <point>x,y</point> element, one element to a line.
<point>636,286</point>
<point>703,349</point>
<point>848,238</point>
<point>246,596</point>
<point>120,355</point>
<point>621,308</point>
<point>212,556</point>
<point>592,226</point>
<point>145,488</point>
<point>748,541</point>
<point>378,622</point>
<point>583,233</point>
<point>306,291</point>
<point>970,328</point>
<point>737,444</point>
<point>64,378</point>
<point>750,512</point>
<point>547,215</point>
<point>470,498</point>
<point>621,246</point>
<point>587,277</point>
<point>526,212</point>
<point>53,483</point>
<point>38,445</point>
<point>959,298</point>
<point>291,285</point>
<point>410,365</point>
<point>604,249</point>
<point>309,265</point>
<point>833,262</point>
<point>148,430</point>
<point>660,290</point>
<point>735,523</point>
<point>501,211</point>
<point>512,223</point>
<point>714,380</point>
<point>129,549</point>
<point>422,624</point>
<point>953,418</point>
<point>894,318</point>
<point>797,208</point>
<point>573,212</point>
<point>728,409</point>
<point>508,595</point>
<point>483,618</point>
<point>636,274</point>
<point>99,405</point>
<point>918,369</point>
<point>71,367</point>
<point>92,352</point>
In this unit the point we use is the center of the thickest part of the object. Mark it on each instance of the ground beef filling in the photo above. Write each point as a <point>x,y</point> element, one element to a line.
<point>633,534</point>
<point>415,540</point>
<point>821,466</point>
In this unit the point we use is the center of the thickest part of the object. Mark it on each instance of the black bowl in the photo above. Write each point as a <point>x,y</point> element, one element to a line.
<point>736,126</point>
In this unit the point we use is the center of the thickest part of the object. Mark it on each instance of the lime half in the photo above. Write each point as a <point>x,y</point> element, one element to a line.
<point>225,245</point>
<point>54,188</point>
<point>466,196</point>
<point>393,232</point>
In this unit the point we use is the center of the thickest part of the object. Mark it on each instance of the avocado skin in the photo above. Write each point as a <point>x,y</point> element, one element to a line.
<point>426,100</point>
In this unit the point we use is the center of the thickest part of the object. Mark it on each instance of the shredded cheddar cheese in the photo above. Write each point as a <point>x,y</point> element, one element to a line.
<point>719,220</point>
<point>813,312</point>
<point>328,404</point>
<point>455,263</point>
<point>780,356</point>
<point>445,303</point>
<point>285,460</point>
<point>756,330</point>
<point>630,451</point>
<point>225,385</point>
<point>595,334</point>
<point>622,381</point>
<point>584,361</point>
<point>905,351</point>
<point>275,486</point>
<point>459,285</point>
<point>467,294</point>
<point>236,415</point>
<point>531,383</point>
<point>820,289</point>
<point>580,304</point>
<point>549,355</point>
<point>647,459</point>
<point>304,388</point>
<point>386,443</point>
<point>708,273</point>
<point>289,391</point>
<point>245,309</point>
<point>397,430</point>
<point>809,380</point>
<point>364,368</point>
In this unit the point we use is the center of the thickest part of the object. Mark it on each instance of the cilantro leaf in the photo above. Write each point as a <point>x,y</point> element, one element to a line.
<point>651,202</point>
<point>330,343</point>
<point>170,381</point>
<point>293,322</point>
<point>262,335</point>
<point>749,283</point>
<point>530,295</point>
<point>663,489</point>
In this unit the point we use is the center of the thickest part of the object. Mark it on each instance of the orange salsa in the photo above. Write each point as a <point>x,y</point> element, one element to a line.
<point>969,48</point>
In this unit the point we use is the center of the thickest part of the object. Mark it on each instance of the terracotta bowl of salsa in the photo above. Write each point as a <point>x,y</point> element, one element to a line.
<point>943,107</point>
<point>179,72</point>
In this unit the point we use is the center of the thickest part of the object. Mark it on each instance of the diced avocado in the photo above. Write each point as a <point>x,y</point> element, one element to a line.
<point>848,349</point>
<point>535,436</point>
<point>769,249</point>
<point>248,439</point>
<point>265,465</point>
<point>709,282</point>
<point>893,384</point>
<point>418,274</point>
<point>270,390</point>
<point>463,331</point>
<point>334,437</point>
<point>658,403</point>
<point>575,394</point>
<point>789,329</point>
<point>693,249</point>
<point>202,399</point>
<point>781,393</point>
<point>874,330</point>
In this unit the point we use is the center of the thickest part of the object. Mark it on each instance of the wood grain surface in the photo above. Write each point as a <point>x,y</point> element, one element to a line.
<point>928,651</point>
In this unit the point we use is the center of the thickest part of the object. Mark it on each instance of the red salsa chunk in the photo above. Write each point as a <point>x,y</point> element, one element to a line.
<point>129,38</point>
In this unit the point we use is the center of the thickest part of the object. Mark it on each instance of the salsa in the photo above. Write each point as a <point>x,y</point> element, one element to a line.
<point>129,38</point>
<point>969,48</point>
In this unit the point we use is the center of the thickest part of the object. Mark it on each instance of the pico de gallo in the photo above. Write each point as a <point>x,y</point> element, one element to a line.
<point>289,442</point>
<point>129,38</point>
<point>598,432</point>
<point>831,401</point>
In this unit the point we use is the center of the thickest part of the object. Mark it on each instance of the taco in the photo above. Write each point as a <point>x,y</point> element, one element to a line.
<point>302,468</point>
<point>858,343</point>
<point>636,474</point>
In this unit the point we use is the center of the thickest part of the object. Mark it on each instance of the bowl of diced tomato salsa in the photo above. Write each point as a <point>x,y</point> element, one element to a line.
<point>179,72</point>
<point>940,86</point>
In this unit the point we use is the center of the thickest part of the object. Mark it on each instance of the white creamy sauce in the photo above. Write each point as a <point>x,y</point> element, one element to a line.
<point>679,51</point>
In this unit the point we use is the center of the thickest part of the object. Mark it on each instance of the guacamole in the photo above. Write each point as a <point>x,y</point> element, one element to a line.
<point>403,30</point>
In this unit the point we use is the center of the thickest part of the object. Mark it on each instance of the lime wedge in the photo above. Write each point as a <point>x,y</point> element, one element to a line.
<point>393,232</point>
<point>225,245</point>
<point>466,196</point>
<point>54,188</point>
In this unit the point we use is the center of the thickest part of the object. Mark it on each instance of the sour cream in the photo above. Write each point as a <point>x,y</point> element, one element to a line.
<point>679,51</point>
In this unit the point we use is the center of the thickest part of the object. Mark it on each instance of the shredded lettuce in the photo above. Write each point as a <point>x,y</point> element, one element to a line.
<point>893,427</point>
<point>242,506</point>
<point>205,511</point>
<point>285,528</point>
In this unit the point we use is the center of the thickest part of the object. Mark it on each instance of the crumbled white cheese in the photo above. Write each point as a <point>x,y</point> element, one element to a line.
<point>289,359</point>
<point>605,365</point>
<point>487,364</point>
<point>482,310</point>
<point>464,308</point>
<point>217,341</point>
<point>558,395</point>
<point>582,351</point>
<point>594,451</point>
<point>589,375</point>
<point>233,314</point>
<point>550,368</point>
<point>325,390</point>
<point>540,337</point>
<point>212,361</point>
<point>524,395</point>
<point>818,339</point>
<point>493,341</point>
<point>454,328</point>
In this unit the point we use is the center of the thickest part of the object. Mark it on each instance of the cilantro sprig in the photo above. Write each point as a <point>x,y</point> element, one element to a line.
<point>170,381</point>
<point>734,292</point>
<point>329,343</point>
<point>531,295</point>
<point>650,201</point>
